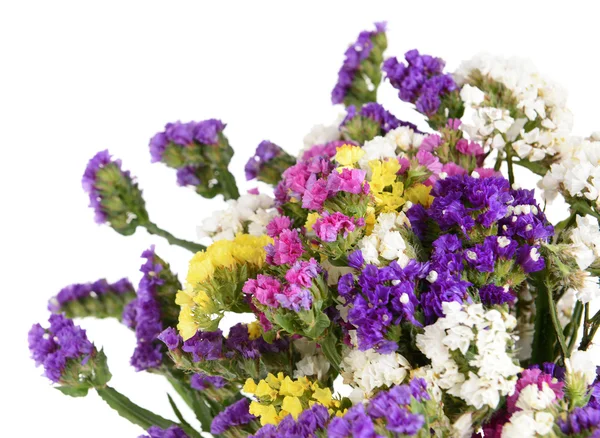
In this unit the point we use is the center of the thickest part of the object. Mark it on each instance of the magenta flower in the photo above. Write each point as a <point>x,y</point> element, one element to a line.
<point>277,225</point>
<point>315,194</point>
<point>303,272</point>
<point>264,288</point>
<point>469,147</point>
<point>430,143</point>
<point>451,169</point>
<point>286,249</point>
<point>348,180</point>
<point>329,226</point>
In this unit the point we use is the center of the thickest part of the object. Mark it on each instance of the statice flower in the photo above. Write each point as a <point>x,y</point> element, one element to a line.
<point>234,415</point>
<point>544,391</point>
<point>320,135</point>
<point>156,290</point>
<point>483,343</point>
<point>368,370</point>
<point>359,75</point>
<point>201,381</point>
<point>114,194</point>
<point>248,214</point>
<point>541,121</point>
<point>309,423</point>
<point>369,121</point>
<point>170,432</point>
<point>329,226</point>
<point>268,163</point>
<point>420,81</point>
<point>581,421</point>
<point>385,242</point>
<point>200,153</point>
<point>285,249</point>
<point>378,299</point>
<point>99,299</point>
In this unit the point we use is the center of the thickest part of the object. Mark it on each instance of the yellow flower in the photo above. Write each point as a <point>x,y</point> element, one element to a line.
<point>264,390</point>
<point>290,387</point>
<point>267,414</point>
<point>187,326</point>
<point>419,194</point>
<point>370,220</point>
<point>390,201</point>
<point>347,154</point>
<point>249,386</point>
<point>292,406</point>
<point>323,396</point>
<point>202,300</point>
<point>254,330</point>
<point>310,221</point>
<point>220,253</point>
<point>274,381</point>
<point>383,173</point>
<point>200,269</point>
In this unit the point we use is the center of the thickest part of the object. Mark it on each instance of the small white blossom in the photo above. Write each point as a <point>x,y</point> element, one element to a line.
<point>583,362</point>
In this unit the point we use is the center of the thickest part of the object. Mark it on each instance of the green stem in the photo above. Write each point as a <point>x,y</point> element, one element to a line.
<point>590,327</point>
<point>545,338</point>
<point>227,181</point>
<point>509,163</point>
<point>201,410</point>
<point>191,246</point>
<point>573,326</point>
<point>136,414</point>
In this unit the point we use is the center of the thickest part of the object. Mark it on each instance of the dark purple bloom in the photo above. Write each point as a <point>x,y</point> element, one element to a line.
<point>207,132</point>
<point>171,338</point>
<point>420,81</point>
<point>378,114</point>
<point>354,56</point>
<point>490,294</point>
<point>89,183</point>
<point>265,152</point>
<point>186,176</point>
<point>237,414</point>
<point>80,291</point>
<point>584,421</point>
<point>201,381</point>
<point>530,259</point>
<point>60,343</point>
<point>205,345</point>
<point>171,432</point>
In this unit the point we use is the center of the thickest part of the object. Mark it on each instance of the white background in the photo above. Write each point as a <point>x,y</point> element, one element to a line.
<point>77,77</point>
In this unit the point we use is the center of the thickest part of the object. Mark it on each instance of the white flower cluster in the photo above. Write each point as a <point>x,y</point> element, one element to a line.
<point>538,99</point>
<point>249,213</point>
<point>368,370</point>
<point>582,363</point>
<point>528,424</point>
<point>313,362</point>
<point>577,174</point>
<point>585,240</point>
<point>321,134</point>
<point>385,241</point>
<point>465,330</point>
<point>395,143</point>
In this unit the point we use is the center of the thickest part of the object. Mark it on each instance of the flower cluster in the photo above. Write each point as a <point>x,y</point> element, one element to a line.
<point>398,282</point>
<point>100,299</point>
<point>359,75</point>
<point>200,153</point>
<point>248,214</point>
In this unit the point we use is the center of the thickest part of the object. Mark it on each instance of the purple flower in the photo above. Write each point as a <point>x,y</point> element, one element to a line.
<point>237,414</point>
<point>420,81</point>
<point>375,112</point>
<point>356,260</point>
<point>205,345</point>
<point>93,291</point>
<point>265,152</point>
<point>295,298</point>
<point>201,382</point>
<point>62,342</point>
<point>170,432</point>
<point>89,182</point>
<point>530,259</point>
<point>354,56</point>
<point>581,422</point>
<point>186,176</point>
<point>348,180</point>
<point>490,294</point>
<point>207,132</point>
<point>171,338</point>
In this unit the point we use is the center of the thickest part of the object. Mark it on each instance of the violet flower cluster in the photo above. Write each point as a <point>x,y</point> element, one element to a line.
<point>268,163</point>
<point>170,432</point>
<point>235,415</point>
<point>420,81</point>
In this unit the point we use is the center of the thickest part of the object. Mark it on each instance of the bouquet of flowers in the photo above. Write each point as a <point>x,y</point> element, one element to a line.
<point>399,284</point>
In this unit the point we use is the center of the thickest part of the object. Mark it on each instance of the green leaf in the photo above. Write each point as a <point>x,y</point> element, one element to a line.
<point>330,350</point>
<point>79,391</point>
<point>130,411</point>
<point>177,411</point>
<point>534,166</point>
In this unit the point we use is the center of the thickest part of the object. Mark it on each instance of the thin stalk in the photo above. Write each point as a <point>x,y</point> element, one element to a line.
<point>509,163</point>
<point>590,327</point>
<point>574,326</point>
<point>136,414</point>
<point>152,228</point>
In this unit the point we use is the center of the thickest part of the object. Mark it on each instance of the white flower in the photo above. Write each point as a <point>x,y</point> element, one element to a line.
<point>590,289</point>
<point>586,240</point>
<point>249,213</point>
<point>532,399</point>
<point>528,424</point>
<point>404,138</point>
<point>471,95</point>
<point>368,370</point>
<point>313,362</point>
<point>485,337</point>
<point>583,362</point>
<point>321,134</point>
<point>463,426</point>
<point>385,241</point>
<point>379,148</point>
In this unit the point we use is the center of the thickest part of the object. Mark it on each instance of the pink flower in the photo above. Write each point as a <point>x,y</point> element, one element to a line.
<point>404,164</point>
<point>432,163</point>
<point>303,272</point>
<point>533,377</point>
<point>253,191</point>
<point>349,180</point>
<point>286,249</point>
<point>294,177</point>
<point>277,225</point>
<point>295,298</point>
<point>485,172</point>
<point>430,143</point>
<point>470,148</point>
<point>329,226</point>
<point>315,194</point>
<point>453,124</point>
<point>327,150</point>
<point>263,288</point>
<point>452,169</point>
